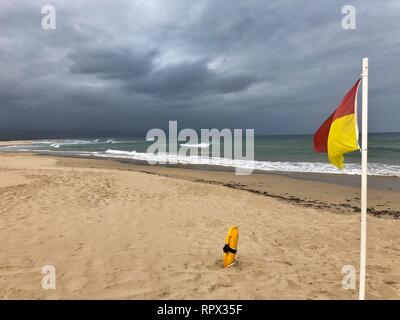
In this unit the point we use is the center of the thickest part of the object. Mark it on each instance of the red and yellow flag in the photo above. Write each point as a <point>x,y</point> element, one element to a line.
<point>339,133</point>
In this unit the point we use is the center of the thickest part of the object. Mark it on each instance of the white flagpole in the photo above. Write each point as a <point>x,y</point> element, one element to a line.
<point>364,175</point>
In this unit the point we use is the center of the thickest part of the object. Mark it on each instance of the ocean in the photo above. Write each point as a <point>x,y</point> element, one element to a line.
<point>289,153</point>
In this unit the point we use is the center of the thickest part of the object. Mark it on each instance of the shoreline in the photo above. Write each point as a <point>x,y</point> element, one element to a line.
<point>326,173</point>
<point>305,188</point>
<point>379,182</point>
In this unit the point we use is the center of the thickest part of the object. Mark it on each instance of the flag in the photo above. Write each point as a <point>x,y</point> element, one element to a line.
<point>339,133</point>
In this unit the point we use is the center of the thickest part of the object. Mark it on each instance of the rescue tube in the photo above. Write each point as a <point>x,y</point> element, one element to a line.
<point>230,247</point>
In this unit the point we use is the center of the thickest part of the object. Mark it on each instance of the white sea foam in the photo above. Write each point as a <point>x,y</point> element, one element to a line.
<point>77,142</point>
<point>44,142</point>
<point>66,142</point>
<point>200,145</point>
<point>278,166</point>
<point>74,142</point>
<point>122,141</point>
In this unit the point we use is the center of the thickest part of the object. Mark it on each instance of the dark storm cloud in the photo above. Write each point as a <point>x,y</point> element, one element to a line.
<point>138,73</point>
<point>127,66</point>
<point>123,63</point>
<point>188,80</point>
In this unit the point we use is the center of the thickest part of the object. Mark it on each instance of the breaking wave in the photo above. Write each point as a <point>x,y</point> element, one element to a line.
<point>199,145</point>
<point>275,166</point>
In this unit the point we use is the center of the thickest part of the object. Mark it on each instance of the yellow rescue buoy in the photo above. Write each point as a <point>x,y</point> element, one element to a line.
<point>230,247</point>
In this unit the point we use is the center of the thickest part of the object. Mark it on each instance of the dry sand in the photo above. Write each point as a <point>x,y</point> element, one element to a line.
<point>113,232</point>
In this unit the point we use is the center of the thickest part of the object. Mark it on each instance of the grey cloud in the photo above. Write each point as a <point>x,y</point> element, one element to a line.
<point>276,66</point>
<point>113,63</point>
<point>139,73</point>
<point>188,80</point>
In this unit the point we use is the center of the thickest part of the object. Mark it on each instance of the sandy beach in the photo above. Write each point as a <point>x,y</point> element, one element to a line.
<point>118,230</point>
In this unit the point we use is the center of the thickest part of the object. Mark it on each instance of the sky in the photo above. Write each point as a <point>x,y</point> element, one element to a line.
<point>124,67</point>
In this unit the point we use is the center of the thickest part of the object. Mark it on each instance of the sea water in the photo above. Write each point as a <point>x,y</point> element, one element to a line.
<point>288,153</point>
